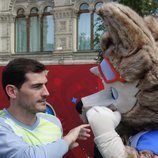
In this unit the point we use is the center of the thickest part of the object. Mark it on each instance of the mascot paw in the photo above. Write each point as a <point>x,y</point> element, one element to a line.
<point>102,119</point>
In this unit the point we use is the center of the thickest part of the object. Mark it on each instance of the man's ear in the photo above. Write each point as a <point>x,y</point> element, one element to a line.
<point>11,91</point>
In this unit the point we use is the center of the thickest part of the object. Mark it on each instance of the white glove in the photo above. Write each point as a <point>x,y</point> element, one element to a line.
<point>103,122</point>
<point>102,119</point>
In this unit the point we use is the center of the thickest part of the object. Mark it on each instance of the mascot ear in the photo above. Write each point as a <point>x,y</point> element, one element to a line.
<point>95,71</point>
<point>152,24</point>
<point>129,43</point>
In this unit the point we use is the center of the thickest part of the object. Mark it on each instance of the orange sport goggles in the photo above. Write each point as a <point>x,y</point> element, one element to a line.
<point>108,72</point>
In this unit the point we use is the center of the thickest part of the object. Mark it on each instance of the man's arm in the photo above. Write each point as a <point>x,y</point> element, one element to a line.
<point>13,146</point>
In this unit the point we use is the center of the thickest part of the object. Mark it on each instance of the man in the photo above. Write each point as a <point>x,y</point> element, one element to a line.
<point>25,131</point>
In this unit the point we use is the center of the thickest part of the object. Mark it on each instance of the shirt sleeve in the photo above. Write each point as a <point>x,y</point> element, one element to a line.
<point>12,146</point>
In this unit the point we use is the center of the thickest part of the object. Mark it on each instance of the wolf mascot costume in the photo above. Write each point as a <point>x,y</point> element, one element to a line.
<point>124,116</point>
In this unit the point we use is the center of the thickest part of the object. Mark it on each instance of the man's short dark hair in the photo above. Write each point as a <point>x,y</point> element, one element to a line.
<point>14,72</point>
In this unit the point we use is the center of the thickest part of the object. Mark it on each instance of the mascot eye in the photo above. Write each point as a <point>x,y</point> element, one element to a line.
<point>114,93</point>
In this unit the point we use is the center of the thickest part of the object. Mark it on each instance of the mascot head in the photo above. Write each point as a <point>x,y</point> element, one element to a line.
<point>129,69</point>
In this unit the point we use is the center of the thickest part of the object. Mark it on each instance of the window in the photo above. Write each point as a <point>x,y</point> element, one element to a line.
<point>84,28</point>
<point>48,30</point>
<point>34,33</point>
<point>89,28</point>
<point>21,35</point>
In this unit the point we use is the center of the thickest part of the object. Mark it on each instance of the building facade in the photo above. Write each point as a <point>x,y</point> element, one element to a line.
<point>52,31</point>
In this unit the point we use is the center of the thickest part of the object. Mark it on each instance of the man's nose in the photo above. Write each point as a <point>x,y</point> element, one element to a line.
<point>45,91</point>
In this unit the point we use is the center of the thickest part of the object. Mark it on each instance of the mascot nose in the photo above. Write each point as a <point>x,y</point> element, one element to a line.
<point>79,106</point>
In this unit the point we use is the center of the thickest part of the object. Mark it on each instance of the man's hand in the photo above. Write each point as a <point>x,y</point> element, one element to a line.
<point>81,132</point>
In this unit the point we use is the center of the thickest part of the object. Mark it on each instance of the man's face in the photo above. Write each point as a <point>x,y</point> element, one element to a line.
<point>32,94</point>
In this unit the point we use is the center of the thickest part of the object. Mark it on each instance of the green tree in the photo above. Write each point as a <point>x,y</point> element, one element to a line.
<point>142,7</point>
<point>99,29</point>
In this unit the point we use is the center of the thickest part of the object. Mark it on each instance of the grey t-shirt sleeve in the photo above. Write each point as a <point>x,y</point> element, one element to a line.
<point>12,146</point>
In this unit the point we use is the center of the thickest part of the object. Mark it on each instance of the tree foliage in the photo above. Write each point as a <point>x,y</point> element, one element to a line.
<point>99,29</point>
<point>142,7</point>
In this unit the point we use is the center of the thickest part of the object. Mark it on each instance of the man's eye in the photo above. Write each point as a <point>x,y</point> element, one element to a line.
<point>114,93</point>
<point>37,86</point>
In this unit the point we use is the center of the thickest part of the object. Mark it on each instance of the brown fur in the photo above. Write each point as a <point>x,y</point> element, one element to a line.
<point>132,153</point>
<point>131,44</point>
